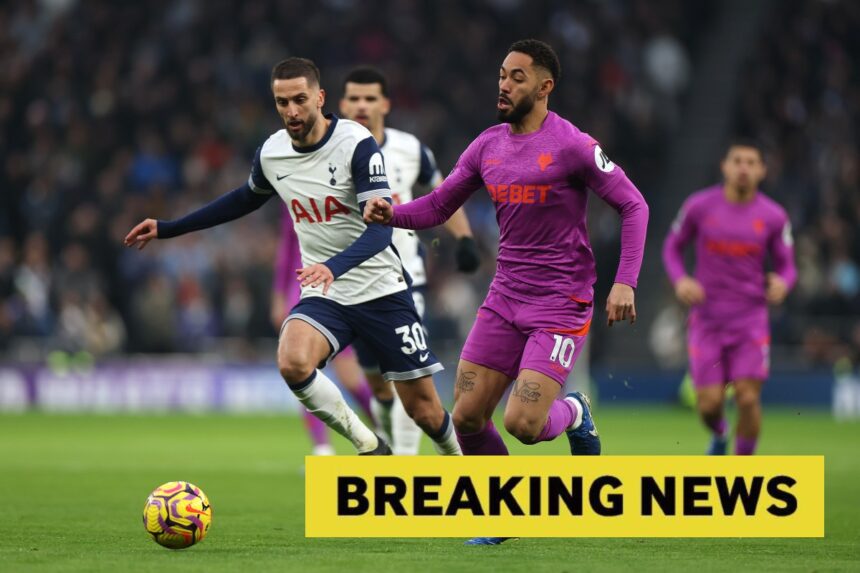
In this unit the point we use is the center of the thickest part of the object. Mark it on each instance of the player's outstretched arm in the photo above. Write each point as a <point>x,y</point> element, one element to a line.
<point>233,205</point>
<point>466,255</point>
<point>378,210</point>
<point>426,212</point>
<point>141,234</point>
<point>437,207</point>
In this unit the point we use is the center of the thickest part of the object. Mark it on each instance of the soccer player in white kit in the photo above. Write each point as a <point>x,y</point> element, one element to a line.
<point>410,165</point>
<point>353,283</point>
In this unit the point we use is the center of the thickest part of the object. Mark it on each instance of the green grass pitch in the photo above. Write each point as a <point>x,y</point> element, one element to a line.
<point>72,489</point>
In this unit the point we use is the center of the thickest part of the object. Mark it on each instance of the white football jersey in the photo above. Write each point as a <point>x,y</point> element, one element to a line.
<point>408,162</point>
<point>322,186</point>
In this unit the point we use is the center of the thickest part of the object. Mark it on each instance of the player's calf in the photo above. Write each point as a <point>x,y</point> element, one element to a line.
<point>425,410</point>
<point>525,428</point>
<point>300,349</point>
<point>421,402</point>
<point>748,400</point>
<point>709,403</point>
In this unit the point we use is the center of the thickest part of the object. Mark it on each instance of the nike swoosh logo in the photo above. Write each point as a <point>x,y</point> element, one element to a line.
<point>279,177</point>
<point>191,509</point>
<point>424,356</point>
<point>593,432</point>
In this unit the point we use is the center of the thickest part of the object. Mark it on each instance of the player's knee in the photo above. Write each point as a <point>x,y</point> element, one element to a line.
<point>710,408</point>
<point>467,422</point>
<point>747,400</point>
<point>524,429</point>
<point>295,369</point>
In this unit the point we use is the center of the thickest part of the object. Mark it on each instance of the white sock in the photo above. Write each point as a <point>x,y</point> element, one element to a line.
<point>323,450</point>
<point>445,441</point>
<point>577,421</point>
<point>323,399</point>
<point>406,435</point>
<point>382,414</point>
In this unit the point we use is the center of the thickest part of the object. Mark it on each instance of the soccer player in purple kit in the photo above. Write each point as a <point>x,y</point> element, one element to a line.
<point>530,329</point>
<point>734,227</point>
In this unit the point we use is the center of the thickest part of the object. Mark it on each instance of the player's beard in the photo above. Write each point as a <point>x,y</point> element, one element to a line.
<point>517,112</point>
<point>745,186</point>
<point>307,126</point>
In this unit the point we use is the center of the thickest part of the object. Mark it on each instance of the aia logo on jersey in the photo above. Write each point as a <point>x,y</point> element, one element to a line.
<point>312,213</point>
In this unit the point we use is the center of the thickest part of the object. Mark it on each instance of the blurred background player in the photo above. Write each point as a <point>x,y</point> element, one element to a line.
<point>537,167</point>
<point>410,166</point>
<point>353,283</point>
<point>285,294</point>
<point>734,227</point>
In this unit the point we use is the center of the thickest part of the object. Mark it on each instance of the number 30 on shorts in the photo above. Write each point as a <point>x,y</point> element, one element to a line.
<point>413,338</point>
<point>563,350</point>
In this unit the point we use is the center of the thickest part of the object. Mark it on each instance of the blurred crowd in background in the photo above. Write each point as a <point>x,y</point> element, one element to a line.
<point>801,99</point>
<point>113,112</point>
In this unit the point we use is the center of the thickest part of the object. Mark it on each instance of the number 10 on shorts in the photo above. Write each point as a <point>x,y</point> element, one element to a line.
<point>563,350</point>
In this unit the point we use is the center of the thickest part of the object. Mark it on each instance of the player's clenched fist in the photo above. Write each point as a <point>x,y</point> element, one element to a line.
<point>776,290</point>
<point>315,275</point>
<point>378,210</point>
<point>620,305</point>
<point>689,291</point>
<point>142,233</point>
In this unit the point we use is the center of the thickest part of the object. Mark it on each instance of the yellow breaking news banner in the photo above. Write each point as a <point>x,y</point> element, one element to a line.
<point>564,496</point>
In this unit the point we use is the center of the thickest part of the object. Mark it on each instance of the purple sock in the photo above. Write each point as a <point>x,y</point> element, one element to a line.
<point>719,428</point>
<point>486,442</point>
<point>745,446</point>
<point>363,395</point>
<point>316,428</point>
<point>561,415</point>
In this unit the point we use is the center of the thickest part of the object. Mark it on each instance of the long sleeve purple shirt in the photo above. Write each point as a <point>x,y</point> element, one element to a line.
<point>731,243</point>
<point>538,183</point>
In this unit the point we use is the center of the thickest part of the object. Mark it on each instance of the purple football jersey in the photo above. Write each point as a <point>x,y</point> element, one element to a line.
<point>732,241</point>
<point>538,183</point>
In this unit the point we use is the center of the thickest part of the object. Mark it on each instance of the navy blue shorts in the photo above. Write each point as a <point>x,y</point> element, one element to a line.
<point>389,328</point>
<point>366,356</point>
